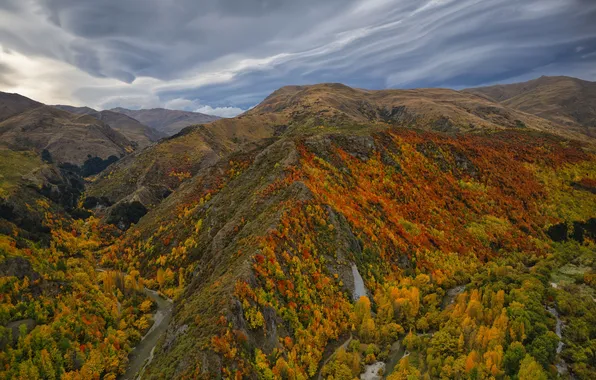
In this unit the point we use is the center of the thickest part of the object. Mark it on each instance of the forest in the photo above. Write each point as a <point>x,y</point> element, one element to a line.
<point>454,237</point>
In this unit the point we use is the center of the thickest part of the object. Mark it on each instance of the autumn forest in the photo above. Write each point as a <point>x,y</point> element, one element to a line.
<point>328,233</point>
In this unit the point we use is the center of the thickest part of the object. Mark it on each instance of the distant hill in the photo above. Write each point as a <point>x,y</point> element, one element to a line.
<point>131,128</point>
<point>567,101</point>
<point>68,138</point>
<point>433,109</point>
<point>12,104</point>
<point>167,121</point>
<point>44,154</point>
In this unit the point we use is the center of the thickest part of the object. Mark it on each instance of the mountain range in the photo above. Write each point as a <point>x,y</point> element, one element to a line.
<point>168,122</point>
<point>136,132</point>
<point>328,232</point>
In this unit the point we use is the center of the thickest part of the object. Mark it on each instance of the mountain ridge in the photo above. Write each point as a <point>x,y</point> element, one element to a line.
<point>165,120</point>
<point>567,101</point>
<point>69,138</point>
<point>131,128</point>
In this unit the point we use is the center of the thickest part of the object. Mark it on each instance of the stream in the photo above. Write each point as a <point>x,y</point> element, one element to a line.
<point>562,367</point>
<point>142,354</point>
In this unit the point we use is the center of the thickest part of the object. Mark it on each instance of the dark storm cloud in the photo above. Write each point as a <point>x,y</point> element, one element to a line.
<point>160,38</point>
<point>228,53</point>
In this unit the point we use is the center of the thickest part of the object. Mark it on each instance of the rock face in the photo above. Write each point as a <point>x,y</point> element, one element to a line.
<point>18,267</point>
<point>124,214</point>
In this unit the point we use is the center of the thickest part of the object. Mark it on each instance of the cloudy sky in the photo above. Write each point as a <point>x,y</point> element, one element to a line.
<point>224,56</point>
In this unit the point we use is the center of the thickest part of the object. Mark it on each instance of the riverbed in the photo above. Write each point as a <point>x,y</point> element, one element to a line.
<point>562,367</point>
<point>142,354</point>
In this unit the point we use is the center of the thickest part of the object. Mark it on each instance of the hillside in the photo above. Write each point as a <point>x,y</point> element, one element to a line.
<point>69,138</point>
<point>570,102</point>
<point>269,219</point>
<point>44,155</point>
<point>325,233</point>
<point>299,110</point>
<point>441,110</point>
<point>132,129</point>
<point>151,175</point>
<point>12,104</point>
<point>168,122</point>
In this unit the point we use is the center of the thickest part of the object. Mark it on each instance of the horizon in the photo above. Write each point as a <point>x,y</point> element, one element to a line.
<point>222,58</point>
<point>304,85</point>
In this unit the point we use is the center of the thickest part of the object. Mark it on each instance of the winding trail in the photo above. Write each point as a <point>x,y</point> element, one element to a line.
<point>396,354</point>
<point>344,345</point>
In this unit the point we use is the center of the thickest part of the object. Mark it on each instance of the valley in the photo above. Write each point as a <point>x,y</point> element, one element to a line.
<point>329,232</point>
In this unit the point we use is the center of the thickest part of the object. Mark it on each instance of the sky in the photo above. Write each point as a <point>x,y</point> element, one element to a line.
<point>222,57</point>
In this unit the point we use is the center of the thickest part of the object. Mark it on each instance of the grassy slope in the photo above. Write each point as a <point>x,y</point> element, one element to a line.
<point>13,166</point>
<point>68,137</point>
<point>566,101</point>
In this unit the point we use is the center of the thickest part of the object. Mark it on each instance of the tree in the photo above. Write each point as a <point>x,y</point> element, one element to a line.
<point>161,279</point>
<point>544,348</point>
<point>405,371</point>
<point>362,309</point>
<point>513,357</point>
<point>531,370</point>
<point>46,156</point>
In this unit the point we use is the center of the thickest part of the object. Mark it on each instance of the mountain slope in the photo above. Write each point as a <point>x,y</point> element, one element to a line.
<point>167,121</point>
<point>275,215</point>
<point>129,127</point>
<point>326,233</point>
<point>299,110</point>
<point>152,174</point>
<point>12,104</point>
<point>269,246</point>
<point>567,101</point>
<point>67,137</point>
<point>432,109</point>
<point>44,153</point>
